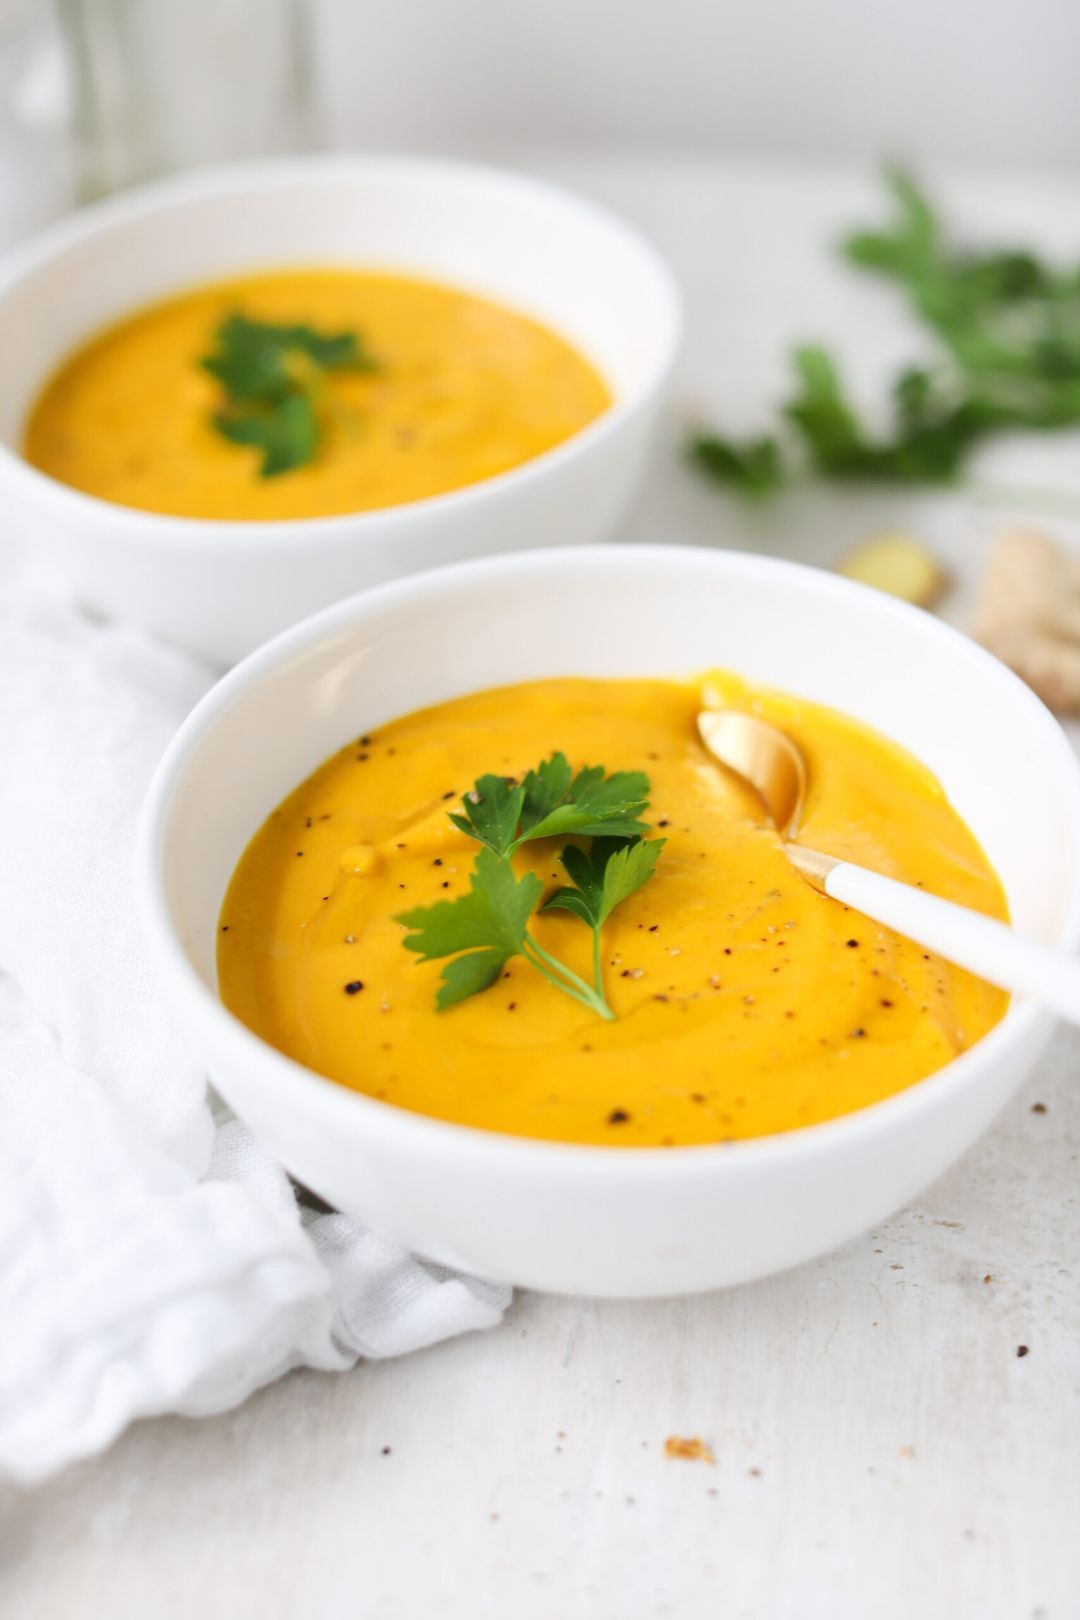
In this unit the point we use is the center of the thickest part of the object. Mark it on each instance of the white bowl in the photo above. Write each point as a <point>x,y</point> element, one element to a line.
<point>593,1220</point>
<point>220,588</point>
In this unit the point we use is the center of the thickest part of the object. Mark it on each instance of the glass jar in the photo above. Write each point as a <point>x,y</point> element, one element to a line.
<point>35,171</point>
<point>162,85</point>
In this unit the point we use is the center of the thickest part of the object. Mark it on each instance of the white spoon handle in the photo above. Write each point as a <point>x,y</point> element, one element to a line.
<point>985,947</point>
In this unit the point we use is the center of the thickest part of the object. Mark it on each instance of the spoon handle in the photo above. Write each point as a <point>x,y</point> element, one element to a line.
<point>988,948</point>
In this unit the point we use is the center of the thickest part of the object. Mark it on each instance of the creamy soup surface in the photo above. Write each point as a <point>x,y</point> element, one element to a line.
<point>464,389</point>
<point>745,1003</point>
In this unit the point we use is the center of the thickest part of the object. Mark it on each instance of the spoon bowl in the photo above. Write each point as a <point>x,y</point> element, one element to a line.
<point>763,757</point>
<point>768,761</point>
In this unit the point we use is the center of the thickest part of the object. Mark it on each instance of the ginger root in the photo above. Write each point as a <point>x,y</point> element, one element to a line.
<point>898,565</point>
<point>1029,615</point>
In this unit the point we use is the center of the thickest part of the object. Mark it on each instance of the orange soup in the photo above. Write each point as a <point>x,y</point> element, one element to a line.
<point>743,1002</point>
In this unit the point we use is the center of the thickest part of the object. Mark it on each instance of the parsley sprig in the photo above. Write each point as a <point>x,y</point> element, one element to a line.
<point>1008,327</point>
<point>273,377</point>
<point>483,929</point>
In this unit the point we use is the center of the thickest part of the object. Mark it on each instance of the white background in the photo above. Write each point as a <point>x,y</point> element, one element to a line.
<point>970,81</point>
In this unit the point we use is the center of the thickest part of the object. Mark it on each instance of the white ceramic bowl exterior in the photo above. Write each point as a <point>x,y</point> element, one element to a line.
<point>597,1220</point>
<point>221,588</point>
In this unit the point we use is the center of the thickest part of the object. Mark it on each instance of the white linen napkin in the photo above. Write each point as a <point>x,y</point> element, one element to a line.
<point>153,1257</point>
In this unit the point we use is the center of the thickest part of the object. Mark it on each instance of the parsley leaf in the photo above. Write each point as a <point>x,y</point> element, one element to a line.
<point>288,435</point>
<point>755,468</point>
<point>932,433</point>
<point>610,873</point>
<point>913,249</point>
<point>545,787</point>
<point>252,358</point>
<point>273,379</point>
<point>489,922</point>
<point>491,812</point>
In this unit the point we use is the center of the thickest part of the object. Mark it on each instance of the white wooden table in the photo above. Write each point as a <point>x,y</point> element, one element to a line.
<point>882,1451</point>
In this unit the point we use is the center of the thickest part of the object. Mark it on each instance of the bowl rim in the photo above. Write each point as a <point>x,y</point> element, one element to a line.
<point>238,180</point>
<point>1023,1022</point>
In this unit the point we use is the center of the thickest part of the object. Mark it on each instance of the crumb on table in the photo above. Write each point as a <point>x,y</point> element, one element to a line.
<point>692,1450</point>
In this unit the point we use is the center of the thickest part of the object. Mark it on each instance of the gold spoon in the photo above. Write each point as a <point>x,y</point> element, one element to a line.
<point>768,761</point>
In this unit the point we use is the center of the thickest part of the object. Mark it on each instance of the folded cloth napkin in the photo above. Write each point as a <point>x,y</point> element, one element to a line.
<point>153,1257</point>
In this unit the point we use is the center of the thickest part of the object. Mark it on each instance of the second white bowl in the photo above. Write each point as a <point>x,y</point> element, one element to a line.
<point>221,588</point>
<point>596,1220</point>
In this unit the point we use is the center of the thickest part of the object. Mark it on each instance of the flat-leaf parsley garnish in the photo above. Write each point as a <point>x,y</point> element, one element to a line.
<point>484,928</point>
<point>273,377</point>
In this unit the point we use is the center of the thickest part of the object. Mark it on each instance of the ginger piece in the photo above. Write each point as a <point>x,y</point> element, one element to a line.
<point>1028,615</point>
<point>898,565</point>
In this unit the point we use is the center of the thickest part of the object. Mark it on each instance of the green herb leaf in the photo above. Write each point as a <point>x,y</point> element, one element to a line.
<point>819,409</point>
<point>754,468</point>
<point>272,377</point>
<point>590,804</point>
<point>912,249</point>
<point>933,431</point>
<point>468,975</point>
<point>331,351</point>
<point>545,787</point>
<point>491,812</point>
<point>286,433</point>
<point>247,367</point>
<point>613,870</point>
<point>490,921</point>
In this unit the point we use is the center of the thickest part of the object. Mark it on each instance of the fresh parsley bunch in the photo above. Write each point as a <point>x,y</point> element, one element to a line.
<point>484,928</point>
<point>1009,329</point>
